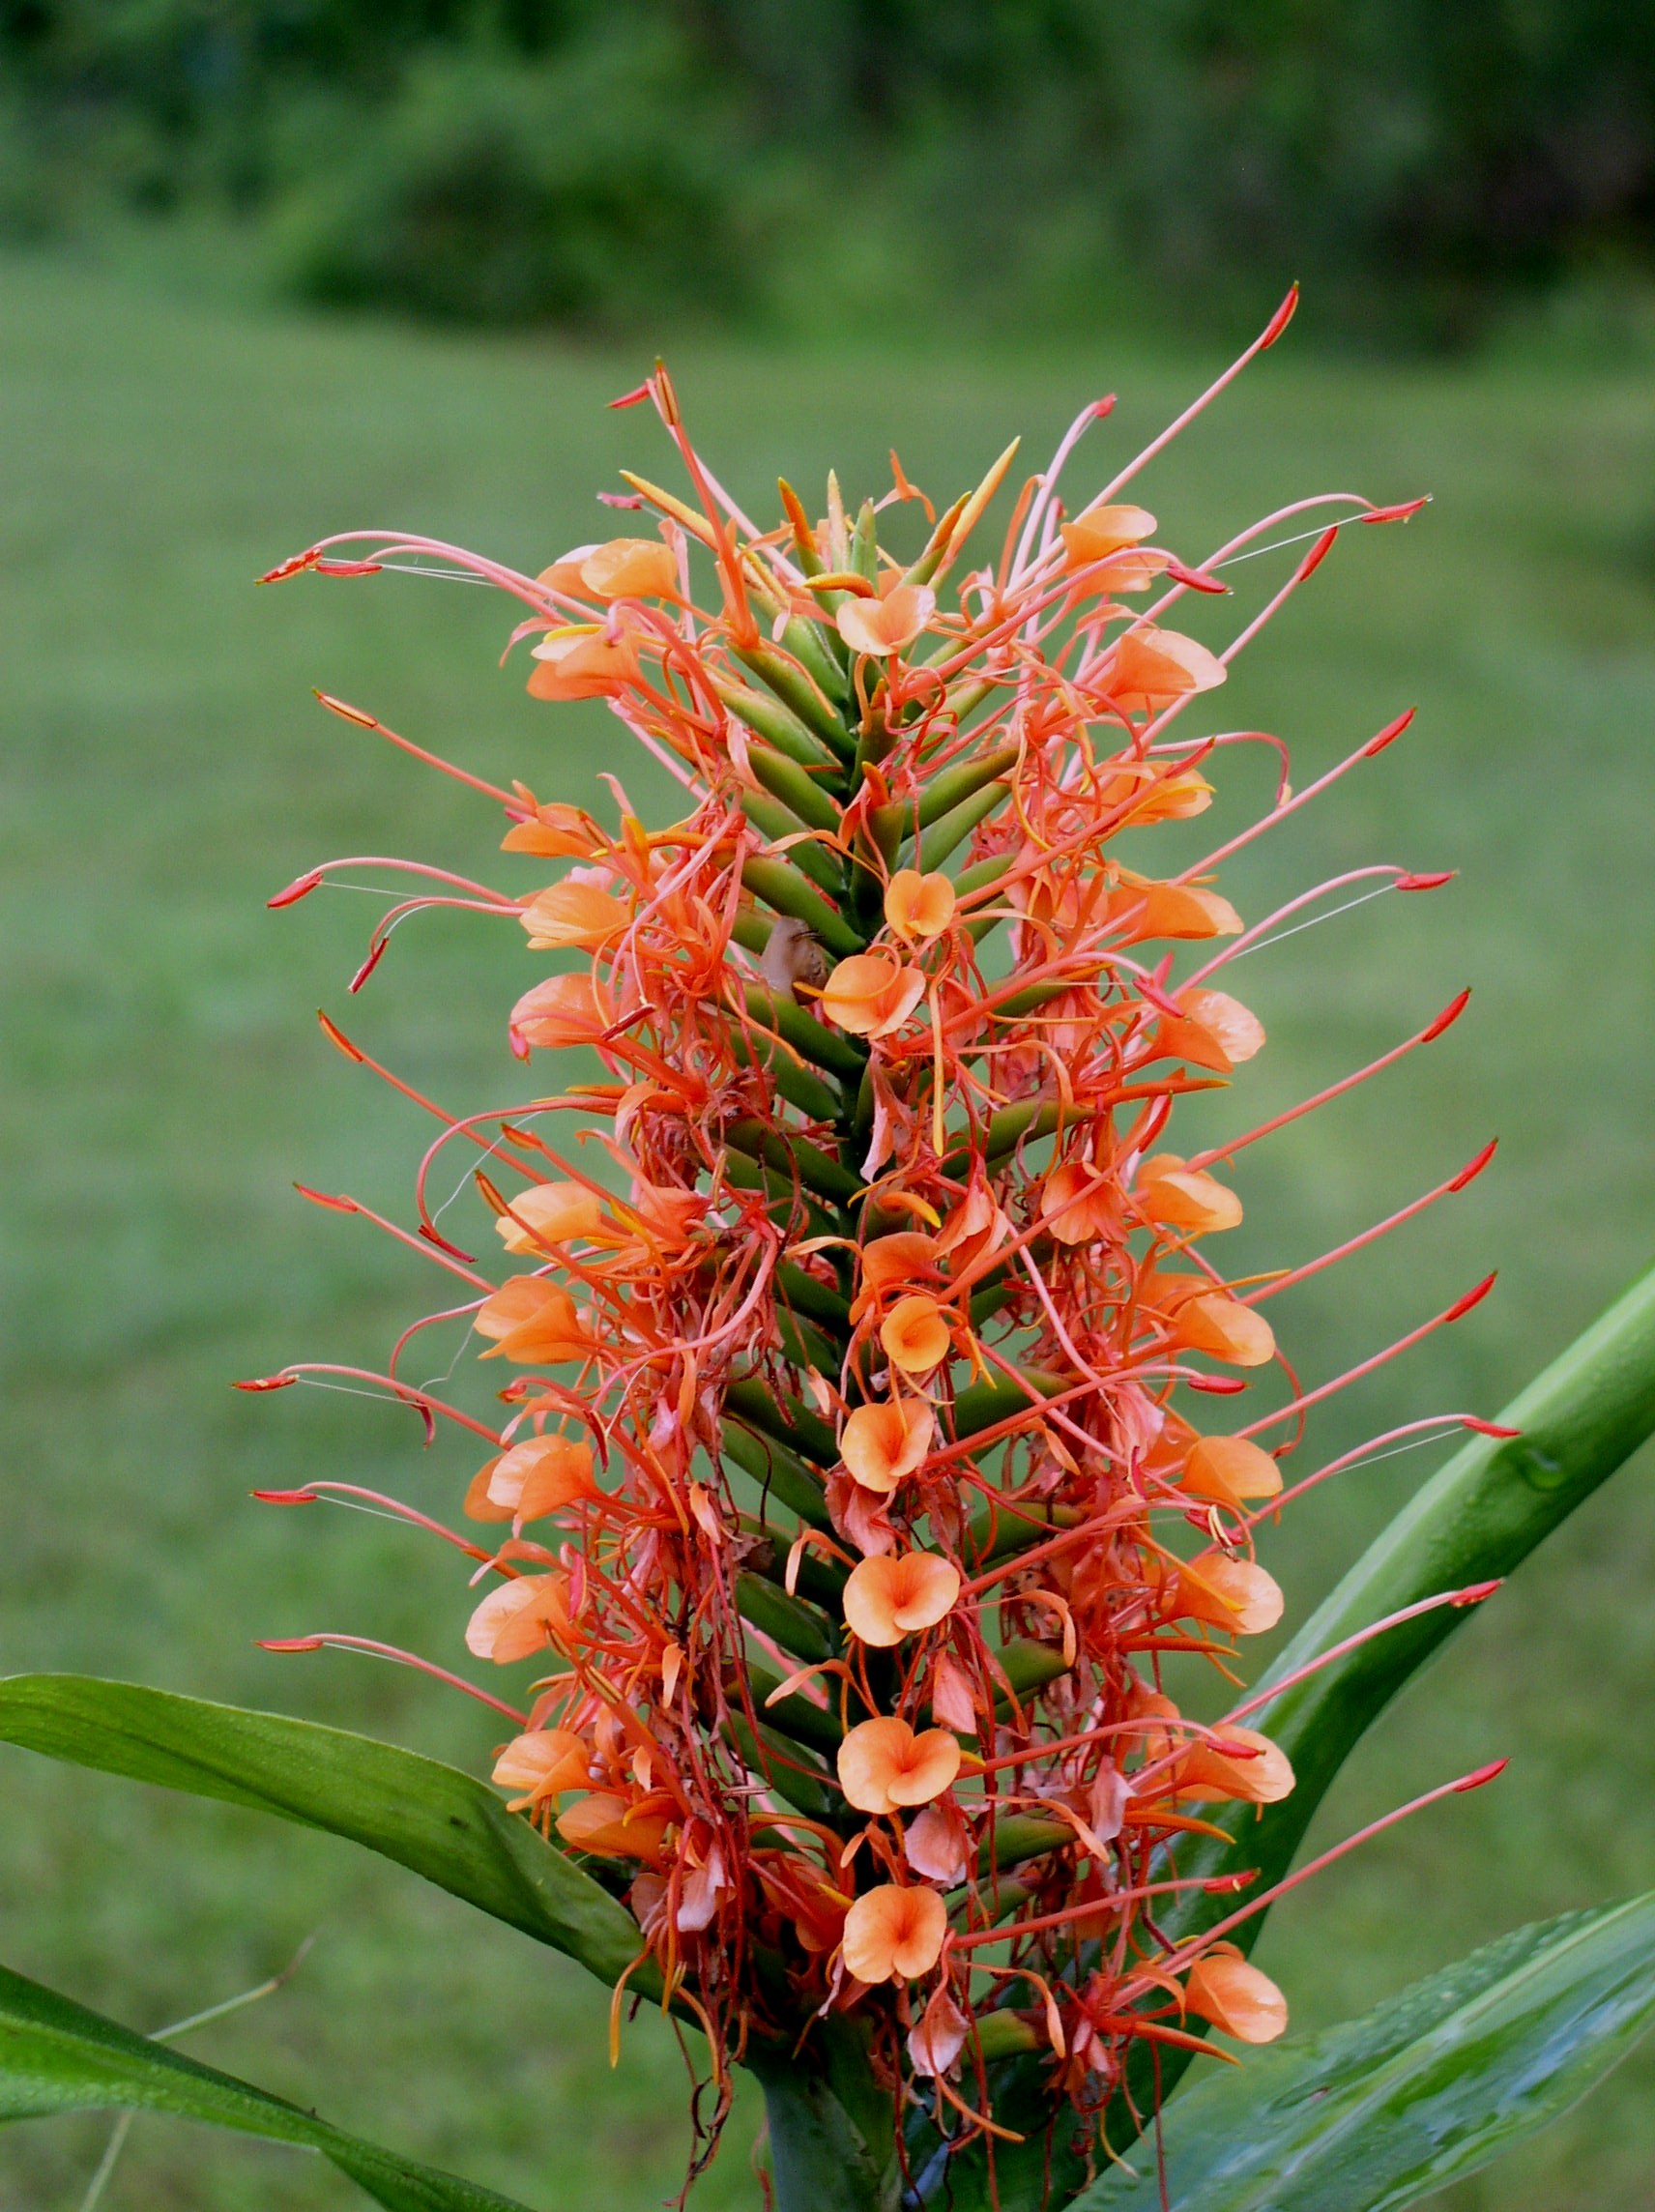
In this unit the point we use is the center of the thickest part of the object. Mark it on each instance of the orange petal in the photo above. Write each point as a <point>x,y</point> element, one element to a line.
<point>608,1827</point>
<point>1152,667</point>
<point>575,914</point>
<point>1236,1595</point>
<point>533,1321</point>
<point>581,664</point>
<point>883,627</point>
<point>631,568</point>
<point>519,1617</point>
<point>898,1594</point>
<point>1237,1999</point>
<point>543,1764</point>
<point>1205,1773</point>
<point>543,1475</point>
<point>1102,530</point>
<point>916,1333</point>
<point>882,1765</point>
<point>870,994</point>
<point>561,1010</point>
<point>882,1443</point>
<point>550,1214</point>
<point>1216,1031</point>
<point>891,1933</point>
<point>1185,1198</point>
<point>919,907</point>
<point>1222,1325</point>
<point>555,831</point>
<point>1228,1469</point>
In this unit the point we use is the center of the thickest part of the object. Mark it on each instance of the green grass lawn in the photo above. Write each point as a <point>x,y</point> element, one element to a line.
<point>165,769</point>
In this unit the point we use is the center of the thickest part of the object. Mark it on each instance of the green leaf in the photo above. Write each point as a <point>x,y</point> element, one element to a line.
<point>1418,2093</point>
<point>56,2056</point>
<point>444,1824</point>
<point>1479,1518</point>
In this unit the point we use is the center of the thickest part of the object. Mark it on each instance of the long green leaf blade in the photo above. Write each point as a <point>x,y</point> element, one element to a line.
<point>441,1824</point>
<point>56,2056</point>
<point>1420,2092</point>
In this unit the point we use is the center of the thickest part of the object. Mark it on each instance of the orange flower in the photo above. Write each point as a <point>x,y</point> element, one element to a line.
<point>1236,1595</point>
<point>892,1934</point>
<point>1218,1324</point>
<point>581,664</point>
<point>899,1258</point>
<point>550,1214</point>
<point>535,1321</point>
<point>885,1766</point>
<point>1080,1203</point>
<point>541,1476</point>
<point>884,626</point>
<point>519,1617</point>
<point>575,914</point>
<point>630,569</point>
<point>1179,910</point>
<point>919,907</point>
<point>1228,1469</point>
<point>561,1010</point>
<point>1102,530</point>
<point>898,1594</point>
<point>1206,1775</point>
<point>612,1828</point>
<point>882,1444</point>
<point>1152,667</point>
<point>1236,1997</point>
<point>555,831</point>
<point>1215,1031</point>
<point>916,1333</point>
<point>1184,1198</point>
<point>1165,798</point>
<point>870,994</point>
<point>1109,535</point>
<point>543,1764</point>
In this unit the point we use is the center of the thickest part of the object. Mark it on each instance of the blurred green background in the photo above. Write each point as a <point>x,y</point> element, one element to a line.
<point>854,228</point>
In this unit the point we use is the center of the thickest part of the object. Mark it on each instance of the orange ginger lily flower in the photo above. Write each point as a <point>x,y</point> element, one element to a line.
<point>1236,1997</point>
<point>611,1827</point>
<point>1216,1770</point>
<point>919,907</point>
<point>581,662</point>
<point>550,1214</point>
<point>519,1617</point>
<point>561,1010</point>
<point>1218,1324</point>
<point>543,1763</point>
<point>541,1476</point>
<point>888,625</point>
<point>884,1442</point>
<point>1229,1470</point>
<point>870,994</point>
<point>1213,1030</point>
<point>1237,1595</point>
<point>1152,667</point>
<point>630,569</point>
<point>1102,530</point>
<point>577,914</point>
<point>884,1766</point>
<point>1181,1197</point>
<point>916,1333</point>
<point>1182,911</point>
<point>893,1934</point>
<point>1081,1204</point>
<point>555,831</point>
<point>535,1319</point>
<point>898,1594</point>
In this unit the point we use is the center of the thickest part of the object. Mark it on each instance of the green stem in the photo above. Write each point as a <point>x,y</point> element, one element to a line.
<point>833,2129</point>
